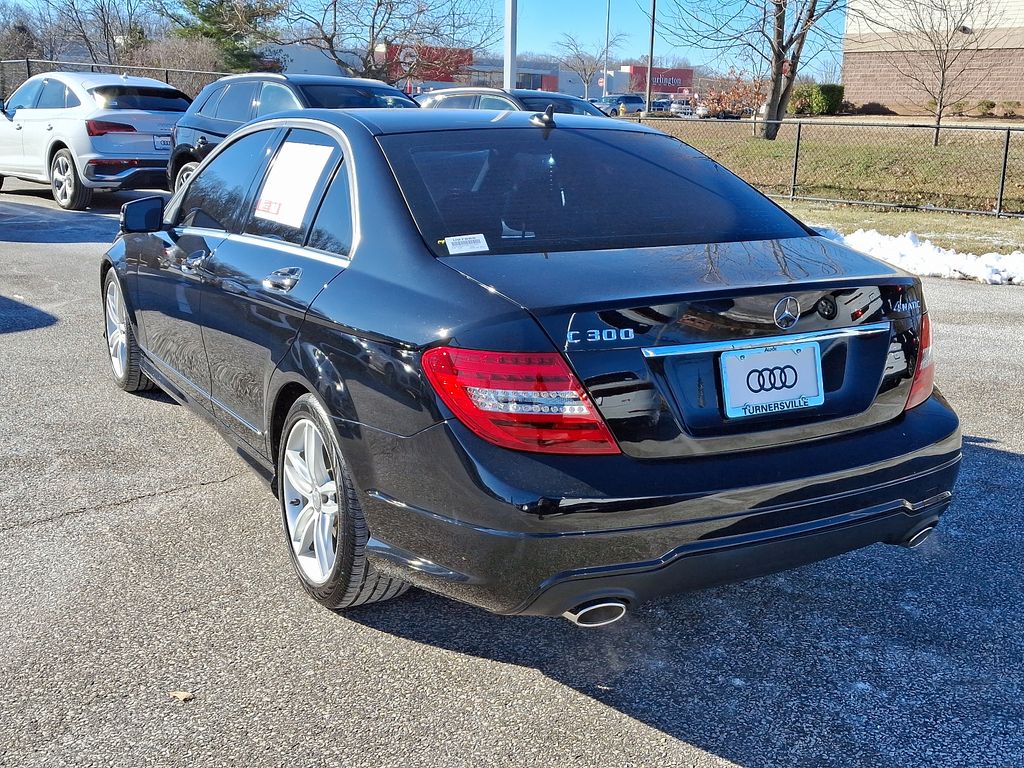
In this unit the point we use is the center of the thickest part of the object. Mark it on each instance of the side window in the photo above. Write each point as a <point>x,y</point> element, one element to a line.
<point>70,100</point>
<point>495,102</point>
<point>293,186</point>
<point>215,196</point>
<point>462,101</point>
<point>52,95</point>
<point>276,98</point>
<point>24,97</point>
<point>236,102</point>
<point>209,108</point>
<point>332,227</point>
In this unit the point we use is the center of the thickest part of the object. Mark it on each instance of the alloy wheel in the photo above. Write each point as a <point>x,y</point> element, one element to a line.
<point>63,180</point>
<point>310,497</point>
<point>117,340</point>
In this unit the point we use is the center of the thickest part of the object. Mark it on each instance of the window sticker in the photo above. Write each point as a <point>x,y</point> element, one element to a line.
<point>465,244</point>
<point>290,183</point>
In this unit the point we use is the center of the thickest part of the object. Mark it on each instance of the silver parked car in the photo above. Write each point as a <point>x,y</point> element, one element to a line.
<point>81,131</point>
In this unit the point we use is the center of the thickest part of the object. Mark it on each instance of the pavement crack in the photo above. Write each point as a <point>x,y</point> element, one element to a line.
<point>115,504</point>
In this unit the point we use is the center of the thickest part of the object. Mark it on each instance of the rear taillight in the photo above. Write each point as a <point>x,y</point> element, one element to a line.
<point>924,376</point>
<point>520,400</point>
<point>103,127</point>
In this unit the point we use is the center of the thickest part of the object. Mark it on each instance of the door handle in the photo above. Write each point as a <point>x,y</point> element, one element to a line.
<point>17,126</point>
<point>49,127</point>
<point>194,261</point>
<point>282,280</point>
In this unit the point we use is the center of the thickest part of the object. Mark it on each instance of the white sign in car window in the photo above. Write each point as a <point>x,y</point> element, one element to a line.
<point>290,183</point>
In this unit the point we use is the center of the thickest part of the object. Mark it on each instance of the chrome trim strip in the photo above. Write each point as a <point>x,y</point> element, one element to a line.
<point>298,251</point>
<point>765,341</point>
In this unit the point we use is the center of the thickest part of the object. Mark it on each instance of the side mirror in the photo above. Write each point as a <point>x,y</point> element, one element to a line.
<point>143,215</point>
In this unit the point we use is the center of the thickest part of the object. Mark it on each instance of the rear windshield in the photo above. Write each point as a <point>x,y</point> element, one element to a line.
<point>563,106</point>
<point>355,96</point>
<point>133,97</point>
<point>529,189</point>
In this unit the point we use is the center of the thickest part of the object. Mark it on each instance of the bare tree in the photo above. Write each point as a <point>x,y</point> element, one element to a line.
<point>192,53</point>
<point>770,38</point>
<point>585,61</point>
<point>109,30</point>
<point>393,40</point>
<point>934,45</point>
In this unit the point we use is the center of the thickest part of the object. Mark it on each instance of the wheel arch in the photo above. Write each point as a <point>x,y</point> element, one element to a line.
<point>51,152</point>
<point>185,156</point>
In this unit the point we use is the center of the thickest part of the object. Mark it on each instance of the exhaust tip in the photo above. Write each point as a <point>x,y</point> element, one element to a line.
<point>598,613</point>
<point>918,538</point>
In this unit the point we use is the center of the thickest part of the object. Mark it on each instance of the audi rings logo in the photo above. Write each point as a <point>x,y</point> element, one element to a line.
<point>772,379</point>
<point>787,312</point>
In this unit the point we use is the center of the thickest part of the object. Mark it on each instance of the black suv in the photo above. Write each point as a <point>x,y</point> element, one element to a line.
<point>224,105</point>
<point>519,99</point>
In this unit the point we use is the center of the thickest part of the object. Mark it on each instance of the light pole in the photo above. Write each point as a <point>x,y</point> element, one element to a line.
<point>607,40</point>
<point>511,20</point>
<point>650,56</point>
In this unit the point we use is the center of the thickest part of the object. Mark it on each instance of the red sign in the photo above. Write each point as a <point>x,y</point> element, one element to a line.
<point>664,80</point>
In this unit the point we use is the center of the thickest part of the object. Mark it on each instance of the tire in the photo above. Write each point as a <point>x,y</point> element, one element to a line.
<point>123,352</point>
<point>323,517</point>
<point>66,184</point>
<point>184,174</point>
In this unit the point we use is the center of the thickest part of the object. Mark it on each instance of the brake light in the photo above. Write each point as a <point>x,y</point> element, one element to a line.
<point>924,376</point>
<point>103,127</point>
<point>524,401</point>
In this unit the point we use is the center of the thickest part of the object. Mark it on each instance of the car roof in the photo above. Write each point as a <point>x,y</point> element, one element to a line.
<point>304,79</point>
<point>530,93</point>
<point>98,79</point>
<point>392,121</point>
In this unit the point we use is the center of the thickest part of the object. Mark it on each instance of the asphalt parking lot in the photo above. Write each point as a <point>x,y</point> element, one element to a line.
<point>140,556</point>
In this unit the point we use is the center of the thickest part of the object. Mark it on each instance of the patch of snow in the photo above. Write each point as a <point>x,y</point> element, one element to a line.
<point>924,258</point>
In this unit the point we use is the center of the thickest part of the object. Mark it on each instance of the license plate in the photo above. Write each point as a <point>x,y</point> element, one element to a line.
<point>162,142</point>
<point>766,380</point>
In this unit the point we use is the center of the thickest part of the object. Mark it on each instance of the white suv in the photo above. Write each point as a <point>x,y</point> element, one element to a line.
<point>79,132</point>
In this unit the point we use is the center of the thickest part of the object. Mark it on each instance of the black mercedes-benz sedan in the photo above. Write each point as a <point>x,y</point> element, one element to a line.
<point>536,363</point>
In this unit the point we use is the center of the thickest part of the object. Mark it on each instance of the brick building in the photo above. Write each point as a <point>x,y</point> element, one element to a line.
<point>996,73</point>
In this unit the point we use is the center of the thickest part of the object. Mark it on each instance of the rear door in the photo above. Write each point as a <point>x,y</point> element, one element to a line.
<point>262,280</point>
<point>173,266</point>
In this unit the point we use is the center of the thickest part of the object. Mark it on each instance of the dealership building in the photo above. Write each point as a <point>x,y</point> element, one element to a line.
<point>869,77</point>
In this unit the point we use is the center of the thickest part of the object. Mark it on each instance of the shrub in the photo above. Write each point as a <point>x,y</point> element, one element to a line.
<point>1010,108</point>
<point>800,99</point>
<point>874,108</point>
<point>985,107</point>
<point>826,99</point>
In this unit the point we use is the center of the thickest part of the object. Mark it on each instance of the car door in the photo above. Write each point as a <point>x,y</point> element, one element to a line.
<point>262,281</point>
<point>171,269</point>
<point>39,122</point>
<point>12,155</point>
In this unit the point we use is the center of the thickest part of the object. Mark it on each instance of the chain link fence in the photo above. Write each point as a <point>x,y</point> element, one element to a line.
<point>13,72</point>
<point>971,169</point>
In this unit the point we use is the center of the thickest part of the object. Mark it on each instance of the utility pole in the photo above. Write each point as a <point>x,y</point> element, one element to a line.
<point>607,40</point>
<point>511,21</point>
<point>650,56</point>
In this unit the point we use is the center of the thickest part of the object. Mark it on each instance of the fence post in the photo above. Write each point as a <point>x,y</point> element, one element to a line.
<point>796,161</point>
<point>1002,175</point>
<point>167,77</point>
<point>28,68</point>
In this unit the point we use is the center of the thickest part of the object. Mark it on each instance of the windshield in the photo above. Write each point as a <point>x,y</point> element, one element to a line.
<point>133,97</point>
<point>354,96</point>
<point>563,105</point>
<point>527,190</point>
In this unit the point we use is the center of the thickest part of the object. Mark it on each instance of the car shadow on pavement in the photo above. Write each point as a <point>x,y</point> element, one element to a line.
<point>884,656</point>
<point>17,316</point>
<point>30,222</point>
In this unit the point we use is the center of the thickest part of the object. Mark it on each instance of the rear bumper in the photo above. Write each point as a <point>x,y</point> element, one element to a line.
<point>522,533</point>
<point>124,173</point>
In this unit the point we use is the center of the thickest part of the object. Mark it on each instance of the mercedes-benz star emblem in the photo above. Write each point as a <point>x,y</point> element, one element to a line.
<point>787,312</point>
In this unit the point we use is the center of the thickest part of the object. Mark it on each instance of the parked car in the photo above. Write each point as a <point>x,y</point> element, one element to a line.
<point>602,398</point>
<point>519,99</point>
<point>231,101</point>
<point>681,108</point>
<point>702,111</point>
<point>610,104</point>
<point>82,132</point>
<point>660,105</point>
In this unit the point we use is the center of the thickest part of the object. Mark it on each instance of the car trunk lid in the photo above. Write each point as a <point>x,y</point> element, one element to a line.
<point>653,332</point>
